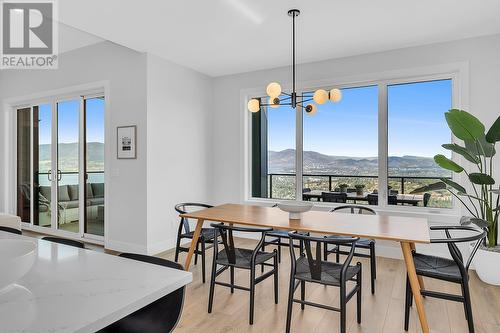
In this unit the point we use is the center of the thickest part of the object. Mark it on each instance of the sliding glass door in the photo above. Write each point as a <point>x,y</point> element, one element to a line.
<point>60,164</point>
<point>68,165</point>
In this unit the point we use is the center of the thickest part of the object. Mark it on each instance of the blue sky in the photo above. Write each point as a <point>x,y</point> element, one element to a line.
<point>349,128</point>
<point>68,119</point>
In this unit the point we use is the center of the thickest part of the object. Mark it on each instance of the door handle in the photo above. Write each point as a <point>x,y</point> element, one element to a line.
<point>59,175</point>
<point>48,175</point>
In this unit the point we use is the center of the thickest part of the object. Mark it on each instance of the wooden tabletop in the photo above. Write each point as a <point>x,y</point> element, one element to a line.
<point>395,228</point>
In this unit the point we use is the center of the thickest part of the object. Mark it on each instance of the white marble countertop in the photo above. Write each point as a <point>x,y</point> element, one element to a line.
<point>75,290</point>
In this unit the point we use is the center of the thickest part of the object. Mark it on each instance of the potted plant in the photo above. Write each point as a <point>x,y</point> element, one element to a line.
<point>360,189</point>
<point>482,200</point>
<point>343,188</point>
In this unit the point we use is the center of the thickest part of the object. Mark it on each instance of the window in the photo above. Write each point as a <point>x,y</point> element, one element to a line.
<point>416,131</point>
<point>274,144</point>
<point>340,144</point>
<point>341,148</point>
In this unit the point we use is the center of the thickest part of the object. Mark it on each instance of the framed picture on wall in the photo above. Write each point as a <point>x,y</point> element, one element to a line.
<point>127,144</point>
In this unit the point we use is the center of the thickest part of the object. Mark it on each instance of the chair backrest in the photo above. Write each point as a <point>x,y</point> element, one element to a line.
<point>477,236</point>
<point>65,241</point>
<point>354,209</point>
<point>226,233</point>
<point>427,197</point>
<point>372,199</point>
<point>186,207</point>
<point>306,190</point>
<point>315,261</point>
<point>392,199</point>
<point>159,316</point>
<point>11,230</point>
<point>334,197</point>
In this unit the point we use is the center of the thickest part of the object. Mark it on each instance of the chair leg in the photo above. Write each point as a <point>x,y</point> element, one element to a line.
<point>337,254</point>
<point>231,272</point>
<point>177,249</point>
<point>196,254</point>
<point>276,280</point>
<point>203,247</point>
<point>279,249</point>
<point>301,247</point>
<point>358,299</point>
<point>407,303</point>
<point>373,266</point>
<point>252,294</point>
<point>302,294</point>
<point>343,307</point>
<point>325,252</point>
<point>263,250</point>
<point>468,304</point>
<point>291,290</point>
<point>212,287</point>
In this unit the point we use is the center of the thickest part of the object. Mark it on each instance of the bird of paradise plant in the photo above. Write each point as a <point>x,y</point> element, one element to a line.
<point>483,200</point>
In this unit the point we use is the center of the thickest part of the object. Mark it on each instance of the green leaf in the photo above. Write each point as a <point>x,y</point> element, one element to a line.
<point>456,186</point>
<point>469,156</point>
<point>429,188</point>
<point>481,147</point>
<point>466,220</point>
<point>464,125</point>
<point>470,196</point>
<point>493,134</point>
<point>481,179</point>
<point>445,163</point>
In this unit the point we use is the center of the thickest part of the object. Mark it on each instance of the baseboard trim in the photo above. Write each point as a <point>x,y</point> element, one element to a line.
<point>120,246</point>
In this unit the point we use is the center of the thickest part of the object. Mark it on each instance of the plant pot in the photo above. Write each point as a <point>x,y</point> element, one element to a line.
<point>343,190</point>
<point>360,191</point>
<point>487,264</point>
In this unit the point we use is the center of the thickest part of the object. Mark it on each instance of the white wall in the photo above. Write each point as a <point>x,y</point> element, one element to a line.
<point>179,106</point>
<point>125,70</point>
<point>227,168</point>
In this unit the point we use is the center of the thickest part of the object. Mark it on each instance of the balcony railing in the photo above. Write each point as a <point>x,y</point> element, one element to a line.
<point>282,182</point>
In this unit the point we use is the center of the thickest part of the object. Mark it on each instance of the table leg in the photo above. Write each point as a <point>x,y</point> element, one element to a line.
<point>420,278</point>
<point>194,241</point>
<point>415,286</point>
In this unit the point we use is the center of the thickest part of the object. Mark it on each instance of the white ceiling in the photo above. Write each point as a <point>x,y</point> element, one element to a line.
<point>219,37</point>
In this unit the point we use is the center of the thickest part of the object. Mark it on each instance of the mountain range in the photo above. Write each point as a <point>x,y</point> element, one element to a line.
<point>317,163</point>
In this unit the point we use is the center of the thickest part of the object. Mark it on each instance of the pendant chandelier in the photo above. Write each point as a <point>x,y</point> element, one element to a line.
<point>275,93</point>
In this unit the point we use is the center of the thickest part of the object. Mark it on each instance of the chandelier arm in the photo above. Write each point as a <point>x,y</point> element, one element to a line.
<point>305,100</point>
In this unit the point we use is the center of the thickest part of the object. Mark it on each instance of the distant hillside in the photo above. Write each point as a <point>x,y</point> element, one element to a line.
<point>68,156</point>
<point>314,162</point>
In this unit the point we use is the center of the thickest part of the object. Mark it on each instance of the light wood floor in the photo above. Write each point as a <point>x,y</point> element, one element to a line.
<point>382,312</point>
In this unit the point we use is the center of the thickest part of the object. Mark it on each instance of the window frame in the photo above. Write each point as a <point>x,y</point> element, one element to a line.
<point>458,74</point>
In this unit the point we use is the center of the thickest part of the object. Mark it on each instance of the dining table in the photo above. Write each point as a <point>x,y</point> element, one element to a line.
<point>69,289</point>
<point>407,231</point>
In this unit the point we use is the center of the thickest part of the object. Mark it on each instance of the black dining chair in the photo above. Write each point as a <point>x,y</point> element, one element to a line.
<point>11,230</point>
<point>311,269</point>
<point>372,199</point>
<point>158,317</point>
<point>184,231</point>
<point>455,270</point>
<point>64,241</point>
<point>276,237</point>
<point>234,257</point>
<point>362,243</point>
<point>426,199</point>
<point>334,197</point>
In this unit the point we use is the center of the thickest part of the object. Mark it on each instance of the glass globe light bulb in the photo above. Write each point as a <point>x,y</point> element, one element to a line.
<point>320,96</point>
<point>311,109</point>
<point>335,95</point>
<point>253,105</point>
<point>273,89</point>
<point>275,102</point>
